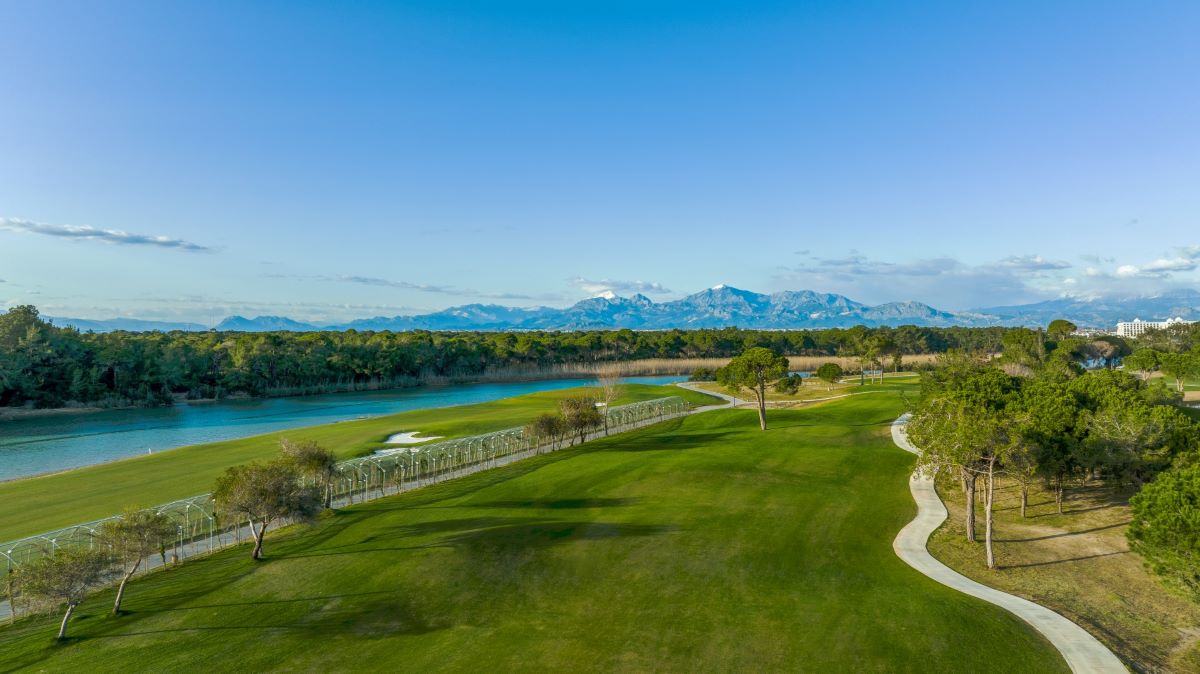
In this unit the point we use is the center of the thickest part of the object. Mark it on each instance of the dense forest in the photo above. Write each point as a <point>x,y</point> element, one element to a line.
<point>42,365</point>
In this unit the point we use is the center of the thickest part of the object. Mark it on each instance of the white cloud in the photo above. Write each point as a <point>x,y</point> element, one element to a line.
<point>421,287</point>
<point>940,281</point>
<point>1169,265</point>
<point>87,233</point>
<point>1033,263</point>
<point>604,286</point>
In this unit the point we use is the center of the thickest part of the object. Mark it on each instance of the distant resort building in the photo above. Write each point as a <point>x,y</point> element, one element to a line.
<point>1137,326</point>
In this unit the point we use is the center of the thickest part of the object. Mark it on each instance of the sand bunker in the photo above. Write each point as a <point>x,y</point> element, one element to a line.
<point>409,438</point>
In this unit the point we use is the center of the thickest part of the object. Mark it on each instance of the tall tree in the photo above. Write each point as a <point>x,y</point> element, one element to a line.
<point>1165,529</point>
<point>1179,366</point>
<point>753,370</point>
<point>1060,329</point>
<point>265,493</point>
<point>131,538</point>
<point>957,434</point>
<point>1143,362</point>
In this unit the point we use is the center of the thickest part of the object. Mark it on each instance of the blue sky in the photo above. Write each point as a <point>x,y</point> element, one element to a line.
<point>340,160</point>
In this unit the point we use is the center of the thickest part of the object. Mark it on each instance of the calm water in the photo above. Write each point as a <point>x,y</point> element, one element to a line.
<point>53,443</point>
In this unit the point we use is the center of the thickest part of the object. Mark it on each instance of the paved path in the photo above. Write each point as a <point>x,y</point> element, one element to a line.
<point>1082,651</point>
<point>730,401</point>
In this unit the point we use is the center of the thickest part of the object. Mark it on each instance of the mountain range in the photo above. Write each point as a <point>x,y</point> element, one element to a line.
<point>716,307</point>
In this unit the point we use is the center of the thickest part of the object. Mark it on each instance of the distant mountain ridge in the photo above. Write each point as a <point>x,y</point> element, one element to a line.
<point>1101,312</point>
<point>717,307</point>
<point>126,324</point>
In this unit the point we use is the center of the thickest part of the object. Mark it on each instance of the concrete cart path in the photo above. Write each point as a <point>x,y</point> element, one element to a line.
<point>1082,651</point>
<point>730,401</point>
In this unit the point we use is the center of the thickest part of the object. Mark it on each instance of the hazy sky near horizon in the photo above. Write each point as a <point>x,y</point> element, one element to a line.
<point>341,160</point>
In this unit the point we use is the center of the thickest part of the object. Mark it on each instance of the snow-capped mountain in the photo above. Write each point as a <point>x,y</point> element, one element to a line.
<point>1101,312</point>
<point>717,307</point>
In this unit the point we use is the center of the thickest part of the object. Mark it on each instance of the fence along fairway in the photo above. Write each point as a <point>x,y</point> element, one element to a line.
<point>35,505</point>
<point>363,479</point>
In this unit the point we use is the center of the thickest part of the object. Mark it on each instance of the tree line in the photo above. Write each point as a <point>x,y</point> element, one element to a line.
<point>1037,415</point>
<point>43,365</point>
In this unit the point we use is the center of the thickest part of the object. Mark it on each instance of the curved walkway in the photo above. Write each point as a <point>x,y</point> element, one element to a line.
<point>730,401</point>
<point>1082,651</point>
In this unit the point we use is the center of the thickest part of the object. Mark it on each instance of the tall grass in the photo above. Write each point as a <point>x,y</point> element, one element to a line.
<point>667,366</point>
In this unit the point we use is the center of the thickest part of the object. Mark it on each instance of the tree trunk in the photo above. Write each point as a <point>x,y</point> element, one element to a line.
<point>259,534</point>
<point>1058,494</point>
<point>62,628</point>
<point>971,478</point>
<point>121,588</point>
<point>762,406</point>
<point>1024,499</point>
<point>987,508</point>
<point>12,599</point>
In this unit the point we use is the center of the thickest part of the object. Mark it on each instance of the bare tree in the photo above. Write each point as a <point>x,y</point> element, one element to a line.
<point>134,536</point>
<point>546,427</point>
<point>264,494</point>
<point>580,416</point>
<point>315,464</point>
<point>609,381</point>
<point>65,577</point>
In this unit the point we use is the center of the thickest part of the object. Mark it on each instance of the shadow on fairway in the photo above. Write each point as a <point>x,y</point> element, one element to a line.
<point>384,614</point>
<point>664,442</point>
<point>552,504</point>
<point>511,534</point>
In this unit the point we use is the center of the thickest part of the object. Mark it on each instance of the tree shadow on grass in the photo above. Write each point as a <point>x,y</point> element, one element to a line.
<point>529,533</point>
<point>682,441</point>
<point>535,535</point>
<point>1063,561</point>
<point>1063,534</point>
<point>551,504</point>
<point>385,614</point>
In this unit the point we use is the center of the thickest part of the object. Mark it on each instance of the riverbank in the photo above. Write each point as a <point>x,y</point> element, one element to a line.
<point>33,505</point>
<point>647,367</point>
<point>35,445</point>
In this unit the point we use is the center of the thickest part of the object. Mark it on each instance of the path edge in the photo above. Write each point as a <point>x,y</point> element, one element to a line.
<point>1083,652</point>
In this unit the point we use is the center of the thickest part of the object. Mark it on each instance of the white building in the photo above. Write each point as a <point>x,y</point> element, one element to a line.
<point>1137,326</point>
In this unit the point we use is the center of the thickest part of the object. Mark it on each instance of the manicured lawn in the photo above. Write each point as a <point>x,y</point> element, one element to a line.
<point>36,505</point>
<point>699,544</point>
<point>815,389</point>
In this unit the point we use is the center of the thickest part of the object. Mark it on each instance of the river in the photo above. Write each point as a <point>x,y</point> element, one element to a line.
<point>34,445</point>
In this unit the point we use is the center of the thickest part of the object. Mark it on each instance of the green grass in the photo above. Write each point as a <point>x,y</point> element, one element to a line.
<point>39,504</point>
<point>700,544</point>
<point>817,390</point>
